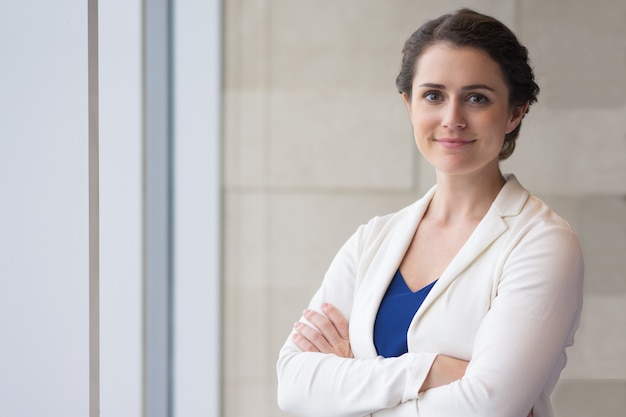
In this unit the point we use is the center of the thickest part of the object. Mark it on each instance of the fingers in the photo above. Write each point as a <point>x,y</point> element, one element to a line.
<point>324,325</point>
<point>309,339</point>
<point>337,319</point>
<point>301,341</point>
<point>328,333</point>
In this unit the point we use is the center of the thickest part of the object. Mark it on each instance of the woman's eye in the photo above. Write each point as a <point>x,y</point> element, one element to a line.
<point>478,99</point>
<point>432,96</point>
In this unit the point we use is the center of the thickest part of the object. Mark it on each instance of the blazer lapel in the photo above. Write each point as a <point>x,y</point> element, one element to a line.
<point>380,273</point>
<point>488,230</point>
<point>509,202</point>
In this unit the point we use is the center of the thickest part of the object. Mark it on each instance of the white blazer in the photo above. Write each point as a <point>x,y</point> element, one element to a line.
<point>509,302</point>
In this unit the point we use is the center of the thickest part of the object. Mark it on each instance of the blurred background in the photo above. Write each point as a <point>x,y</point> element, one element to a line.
<point>240,143</point>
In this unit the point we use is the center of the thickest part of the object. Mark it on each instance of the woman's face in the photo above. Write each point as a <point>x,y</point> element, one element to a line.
<point>460,110</point>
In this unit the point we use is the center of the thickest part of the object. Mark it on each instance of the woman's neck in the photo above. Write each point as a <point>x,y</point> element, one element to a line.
<point>463,198</point>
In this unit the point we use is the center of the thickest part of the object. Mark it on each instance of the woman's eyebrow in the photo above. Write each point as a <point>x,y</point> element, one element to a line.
<point>433,85</point>
<point>477,87</point>
<point>465,88</point>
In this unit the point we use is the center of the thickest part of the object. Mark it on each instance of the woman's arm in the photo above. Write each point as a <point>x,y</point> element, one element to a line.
<point>445,370</point>
<point>321,384</point>
<point>519,349</point>
<point>331,336</point>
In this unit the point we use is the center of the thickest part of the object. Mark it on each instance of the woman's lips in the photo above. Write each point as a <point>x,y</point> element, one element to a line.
<point>452,143</point>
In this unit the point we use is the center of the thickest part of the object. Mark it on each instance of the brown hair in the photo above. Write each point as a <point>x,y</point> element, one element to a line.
<point>466,27</point>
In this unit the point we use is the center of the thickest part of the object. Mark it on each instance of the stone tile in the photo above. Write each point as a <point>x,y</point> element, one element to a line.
<point>246,44</point>
<point>230,332</point>
<point>578,51</point>
<point>603,237</point>
<point>571,152</point>
<point>246,133</point>
<point>231,397</point>
<point>245,238</point>
<point>584,398</point>
<point>335,44</point>
<point>254,327</point>
<point>599,351</point>
<point>341,140</point>
<point>231,44</point>
<point>246,347</point>
<point>308,229</point>
<point>249,398</point>
<point>351,44</point>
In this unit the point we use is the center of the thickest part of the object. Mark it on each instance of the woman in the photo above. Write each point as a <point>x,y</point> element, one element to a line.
<point>463,303</point>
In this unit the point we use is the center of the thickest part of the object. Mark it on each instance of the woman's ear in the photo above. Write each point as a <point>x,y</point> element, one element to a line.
<point>407,101</point>
<point>517,114</point>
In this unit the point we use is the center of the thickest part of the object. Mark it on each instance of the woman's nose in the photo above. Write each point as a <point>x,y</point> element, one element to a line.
<point>453,117</point>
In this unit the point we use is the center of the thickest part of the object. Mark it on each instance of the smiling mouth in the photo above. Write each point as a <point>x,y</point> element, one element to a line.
<point>454,142</point>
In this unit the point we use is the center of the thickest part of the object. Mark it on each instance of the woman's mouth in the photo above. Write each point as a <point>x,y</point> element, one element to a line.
<point>452,143</point>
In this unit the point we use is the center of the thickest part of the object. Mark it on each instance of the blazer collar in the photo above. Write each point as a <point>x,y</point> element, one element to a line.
<point>509,202</point>
<point>511,199</point>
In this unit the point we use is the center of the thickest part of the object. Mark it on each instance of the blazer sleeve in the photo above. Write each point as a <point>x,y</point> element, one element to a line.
<point>519,350</point>
<point>317,384</point>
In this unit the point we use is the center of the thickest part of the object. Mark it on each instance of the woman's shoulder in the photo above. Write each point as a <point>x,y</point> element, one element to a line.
<point>532,221</point>
<point>404,219</point>
<point>519,204</point>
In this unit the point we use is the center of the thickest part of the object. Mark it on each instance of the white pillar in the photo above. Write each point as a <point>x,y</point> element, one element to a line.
<point>44,208</point>
<point>121,247</point>
<point>197,209</point>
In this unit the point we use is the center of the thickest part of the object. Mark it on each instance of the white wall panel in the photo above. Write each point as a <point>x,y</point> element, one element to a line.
<point>44,229</point>
<point>197,208</point>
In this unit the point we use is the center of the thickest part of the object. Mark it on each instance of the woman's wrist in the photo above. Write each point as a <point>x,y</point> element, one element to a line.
<point>444,370</point>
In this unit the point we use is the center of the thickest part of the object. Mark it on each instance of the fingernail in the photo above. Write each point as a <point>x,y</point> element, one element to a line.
<point>297,324</point>
<point>305,312</point>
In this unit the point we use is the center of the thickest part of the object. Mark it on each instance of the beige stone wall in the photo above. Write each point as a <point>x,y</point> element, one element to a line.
<point>317,141</point>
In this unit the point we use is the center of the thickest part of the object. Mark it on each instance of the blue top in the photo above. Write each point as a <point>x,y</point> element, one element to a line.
<point>395,313</point>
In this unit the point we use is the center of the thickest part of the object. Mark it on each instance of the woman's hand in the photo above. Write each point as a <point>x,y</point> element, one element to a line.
<point>445,369</point>
<point>331,335</point>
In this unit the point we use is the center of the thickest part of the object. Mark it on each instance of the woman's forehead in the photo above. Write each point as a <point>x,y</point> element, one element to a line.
<point>445,64</point>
